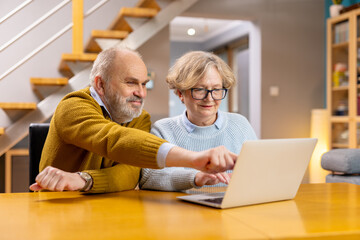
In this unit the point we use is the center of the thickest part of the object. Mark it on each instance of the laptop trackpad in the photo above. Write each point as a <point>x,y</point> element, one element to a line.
<point>210,197</point>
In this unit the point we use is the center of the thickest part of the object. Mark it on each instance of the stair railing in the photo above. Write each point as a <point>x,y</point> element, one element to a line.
<point>15,10</point>
<point>77,31</point>
<point>36,23</point>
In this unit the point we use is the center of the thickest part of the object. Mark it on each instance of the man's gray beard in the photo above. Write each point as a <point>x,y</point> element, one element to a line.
<point>119,109</point>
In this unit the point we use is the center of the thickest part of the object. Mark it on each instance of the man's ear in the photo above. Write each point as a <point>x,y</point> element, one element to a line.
<point>99,85</point>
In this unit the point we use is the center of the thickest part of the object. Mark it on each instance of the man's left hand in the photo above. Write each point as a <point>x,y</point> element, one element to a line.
<point>54,179</point>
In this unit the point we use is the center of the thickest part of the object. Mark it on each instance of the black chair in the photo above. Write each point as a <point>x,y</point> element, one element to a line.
<point>37,137</point>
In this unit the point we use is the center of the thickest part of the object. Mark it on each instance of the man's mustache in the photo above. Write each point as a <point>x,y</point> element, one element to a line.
<point>134,98</point>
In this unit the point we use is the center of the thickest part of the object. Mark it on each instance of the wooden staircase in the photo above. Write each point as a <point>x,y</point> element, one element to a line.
<point>119,29</point>
<point>132,27</point>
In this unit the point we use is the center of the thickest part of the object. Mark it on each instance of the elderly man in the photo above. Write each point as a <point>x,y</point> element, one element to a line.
<point>98,137</point>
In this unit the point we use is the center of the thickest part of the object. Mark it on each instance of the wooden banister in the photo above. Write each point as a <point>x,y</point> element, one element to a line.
<point>78,19</point>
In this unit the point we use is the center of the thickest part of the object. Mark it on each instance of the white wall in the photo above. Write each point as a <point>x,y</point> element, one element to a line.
<point>156,55</point>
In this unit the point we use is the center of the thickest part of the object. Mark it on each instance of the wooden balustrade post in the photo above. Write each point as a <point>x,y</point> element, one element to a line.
<point>78,17</point>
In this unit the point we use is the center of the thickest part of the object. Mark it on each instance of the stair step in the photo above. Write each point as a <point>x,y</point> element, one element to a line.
<point>109,34</point>
<point>92,45</point>
<point>18,105</point>
<point>37,83</point>
<point>84,57</point>
<point>148,4</point>
<point>65,70</point>
<point>138,12</point>
<point>49,81</point>
<point>72,57</point>
<point>2,131</point>
<point>119,23</point>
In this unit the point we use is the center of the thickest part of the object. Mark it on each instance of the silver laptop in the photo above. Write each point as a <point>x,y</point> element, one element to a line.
<point>265,171</point>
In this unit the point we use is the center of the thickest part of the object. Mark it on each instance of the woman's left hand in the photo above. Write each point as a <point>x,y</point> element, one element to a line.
<point>202,178</point>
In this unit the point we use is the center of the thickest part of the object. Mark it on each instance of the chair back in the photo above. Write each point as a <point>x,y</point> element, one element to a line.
<point>37,137</point>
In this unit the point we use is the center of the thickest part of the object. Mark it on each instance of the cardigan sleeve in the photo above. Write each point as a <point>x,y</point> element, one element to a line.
<point>112,179</point>
<point>79,121</point>
<point>120,177</point>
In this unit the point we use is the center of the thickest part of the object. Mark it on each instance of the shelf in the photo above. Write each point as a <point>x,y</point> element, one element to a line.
<point>340,88</point>
<point>343,44</point>
<point>340,145</point>
<point>340,45</point>
<point>339,119</point>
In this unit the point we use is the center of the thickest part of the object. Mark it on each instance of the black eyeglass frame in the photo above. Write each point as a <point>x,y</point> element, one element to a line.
<point>207,93</point>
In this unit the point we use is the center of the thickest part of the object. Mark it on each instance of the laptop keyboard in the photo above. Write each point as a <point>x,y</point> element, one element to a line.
<point>213,200</point>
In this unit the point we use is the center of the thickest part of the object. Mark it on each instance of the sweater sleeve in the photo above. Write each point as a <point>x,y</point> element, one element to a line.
<point>79,121</point>
<point>167,179</point>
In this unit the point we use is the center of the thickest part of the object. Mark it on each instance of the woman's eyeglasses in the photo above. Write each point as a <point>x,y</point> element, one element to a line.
<point>202,93</point>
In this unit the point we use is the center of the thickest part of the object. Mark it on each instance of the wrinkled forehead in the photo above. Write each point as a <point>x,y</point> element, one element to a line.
<point>130,66</point>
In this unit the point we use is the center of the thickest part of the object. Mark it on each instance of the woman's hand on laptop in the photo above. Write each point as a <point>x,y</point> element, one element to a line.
<point>202,178</point>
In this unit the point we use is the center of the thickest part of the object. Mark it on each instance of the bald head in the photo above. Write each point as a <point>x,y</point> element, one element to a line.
<point>119,59</point>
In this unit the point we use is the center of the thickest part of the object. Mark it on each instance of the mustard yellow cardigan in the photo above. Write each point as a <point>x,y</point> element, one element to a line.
<point>83,138</point>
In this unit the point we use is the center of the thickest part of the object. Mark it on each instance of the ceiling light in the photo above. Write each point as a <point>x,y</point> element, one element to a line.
<point>191,31</point>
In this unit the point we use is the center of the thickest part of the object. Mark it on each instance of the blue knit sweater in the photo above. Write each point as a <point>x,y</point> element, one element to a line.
<point>229,130</point>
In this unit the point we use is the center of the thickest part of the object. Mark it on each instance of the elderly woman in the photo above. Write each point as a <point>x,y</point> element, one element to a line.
<point>201,80</point>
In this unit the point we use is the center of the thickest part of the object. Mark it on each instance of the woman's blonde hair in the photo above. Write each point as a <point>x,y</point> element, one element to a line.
<point>189,69</point>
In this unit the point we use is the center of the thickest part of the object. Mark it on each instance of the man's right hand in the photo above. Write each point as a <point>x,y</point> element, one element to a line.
<point>213,160</point>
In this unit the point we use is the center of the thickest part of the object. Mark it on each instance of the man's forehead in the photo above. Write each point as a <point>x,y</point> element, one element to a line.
<point>129,78</point>
<point>132,73</point>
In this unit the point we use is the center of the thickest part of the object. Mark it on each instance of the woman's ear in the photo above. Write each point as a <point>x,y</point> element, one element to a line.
<point>99,85</point>
<point>181,96</point>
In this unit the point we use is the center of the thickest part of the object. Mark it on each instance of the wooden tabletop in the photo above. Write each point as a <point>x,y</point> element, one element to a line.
<point>319,211</point>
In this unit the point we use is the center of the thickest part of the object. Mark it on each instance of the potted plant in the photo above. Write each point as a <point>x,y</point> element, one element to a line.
<point>336,8</point>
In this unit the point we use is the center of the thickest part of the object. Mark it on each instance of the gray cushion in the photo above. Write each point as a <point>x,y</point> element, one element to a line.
<point>342,160</point>
<point>333,178</point>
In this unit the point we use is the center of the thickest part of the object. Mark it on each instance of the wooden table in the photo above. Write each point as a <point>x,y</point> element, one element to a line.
<point>319,211</point>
